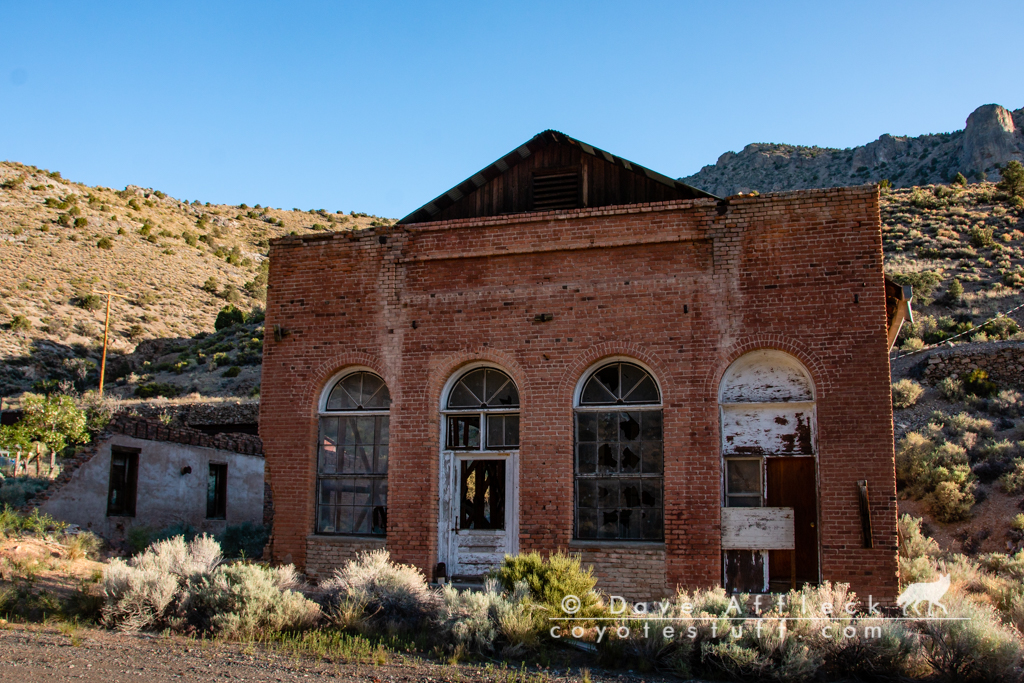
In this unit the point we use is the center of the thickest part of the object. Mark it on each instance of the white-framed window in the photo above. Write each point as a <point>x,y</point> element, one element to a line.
<point>619,454</point>
<point>482,412</point>
<point>352,457</point>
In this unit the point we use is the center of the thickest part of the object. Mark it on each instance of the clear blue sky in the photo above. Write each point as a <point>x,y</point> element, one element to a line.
<point>380,106</point>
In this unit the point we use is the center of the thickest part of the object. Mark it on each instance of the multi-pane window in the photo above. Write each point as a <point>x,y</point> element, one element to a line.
<point>352,463</point>
<point>619,455</point>
<point>483,412</point>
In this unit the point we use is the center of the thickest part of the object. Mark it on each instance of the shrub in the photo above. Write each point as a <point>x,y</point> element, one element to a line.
<point>81,222</point>
<point>1012,182</point>
<point>16,491</point>
<point>83,546</point>
<point>233,371</point>
<point>153,389</point>
<point>978,384</point>
<point>959,179</point>
<point>551,579</point>
<point>1013,481</point>
<point>981,237</point>
<point>90,302</point>
<point>228,316</point>
<point>183,586</point>
<point>954,293</point>
<point>905,393</point>
<point>136,332</point>
<point>913,543</point>
<point>977,647</point>
<point>950,502</point>
<point>951,389</point>
<point>230,294</point>
<point>379,593</point>
<point>105,243</point>
<point>478,621</point>
<point>245,540</point>
<point>244,600</point>
<point>923,282</point>
<point>211,285</point>
<point>20,323</point>
<point>1007,402</point>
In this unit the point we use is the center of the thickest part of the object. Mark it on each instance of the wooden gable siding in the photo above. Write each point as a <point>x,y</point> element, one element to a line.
<point>601,184</point>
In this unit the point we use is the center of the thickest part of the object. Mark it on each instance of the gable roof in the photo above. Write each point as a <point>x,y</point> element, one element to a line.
<point>671,188</point>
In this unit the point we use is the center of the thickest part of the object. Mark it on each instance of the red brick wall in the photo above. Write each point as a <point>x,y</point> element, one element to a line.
<point>685,287</point>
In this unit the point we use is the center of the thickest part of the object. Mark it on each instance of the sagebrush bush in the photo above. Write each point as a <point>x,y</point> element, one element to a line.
<point>550,579</point>
<point>489,620</point>
<point>1007,402</point>
<point>248,599</point>
<point>905,393</point>
<point>951,389</point>
<point>977,648</point>
<point>184,586</point>
<point>1013,481</point>
<point>379,593</point>
<point>940,474</point>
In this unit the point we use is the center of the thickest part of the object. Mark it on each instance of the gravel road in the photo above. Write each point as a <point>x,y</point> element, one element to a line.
<point>34,654</point>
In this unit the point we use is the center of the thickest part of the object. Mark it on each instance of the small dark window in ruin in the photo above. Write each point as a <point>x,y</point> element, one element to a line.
<point>217,491</point>
<point>124,479</point>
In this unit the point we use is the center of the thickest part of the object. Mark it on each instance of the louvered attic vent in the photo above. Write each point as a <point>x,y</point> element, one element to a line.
<point>556,191</point>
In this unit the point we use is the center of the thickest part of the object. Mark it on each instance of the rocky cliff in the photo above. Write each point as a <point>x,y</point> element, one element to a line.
<point>993,136</point>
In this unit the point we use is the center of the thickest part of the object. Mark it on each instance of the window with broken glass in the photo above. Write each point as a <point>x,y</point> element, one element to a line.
<point>619,455</point>
<point>482,412</point>
<point>352,463</point>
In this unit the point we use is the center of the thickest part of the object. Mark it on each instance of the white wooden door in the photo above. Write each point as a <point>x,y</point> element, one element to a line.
<point>479,511</point>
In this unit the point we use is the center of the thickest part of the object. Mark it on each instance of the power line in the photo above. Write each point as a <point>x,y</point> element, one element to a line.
<point>949,339</point>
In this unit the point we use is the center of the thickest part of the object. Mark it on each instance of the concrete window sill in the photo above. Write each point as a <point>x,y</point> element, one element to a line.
<point>347,540</point>
<point>577,544</point>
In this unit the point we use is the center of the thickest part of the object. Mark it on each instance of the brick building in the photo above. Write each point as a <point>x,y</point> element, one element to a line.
<point>570,351</point>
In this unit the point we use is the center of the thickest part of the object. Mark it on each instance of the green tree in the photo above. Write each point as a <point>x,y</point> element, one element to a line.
<point>228,316</point>
<point>54,421</point>
<point>1012,182</point>
<point>959,179</point>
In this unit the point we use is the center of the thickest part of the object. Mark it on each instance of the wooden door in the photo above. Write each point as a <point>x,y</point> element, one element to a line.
<point>482,521</point>
<point>790,482</point>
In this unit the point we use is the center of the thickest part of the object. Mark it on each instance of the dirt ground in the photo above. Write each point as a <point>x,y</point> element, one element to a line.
<point>38,653</point>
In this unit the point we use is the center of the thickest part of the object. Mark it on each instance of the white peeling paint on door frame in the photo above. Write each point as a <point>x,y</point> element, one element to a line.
<point>793,390</point>
<point>448,472</point>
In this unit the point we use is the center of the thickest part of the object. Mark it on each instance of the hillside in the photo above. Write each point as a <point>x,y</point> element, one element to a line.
<point>993,136</point>
<point>177,263</point>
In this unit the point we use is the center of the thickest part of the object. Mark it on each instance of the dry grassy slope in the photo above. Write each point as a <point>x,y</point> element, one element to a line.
<point>972,234</point>
<point>46,266</point>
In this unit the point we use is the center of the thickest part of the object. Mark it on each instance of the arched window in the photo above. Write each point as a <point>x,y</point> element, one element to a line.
<point>483,412</point>
<point>352,462</point>
<point>619,455</point>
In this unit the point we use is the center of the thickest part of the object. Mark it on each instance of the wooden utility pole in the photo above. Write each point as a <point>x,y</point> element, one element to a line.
<point>106,330</point>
